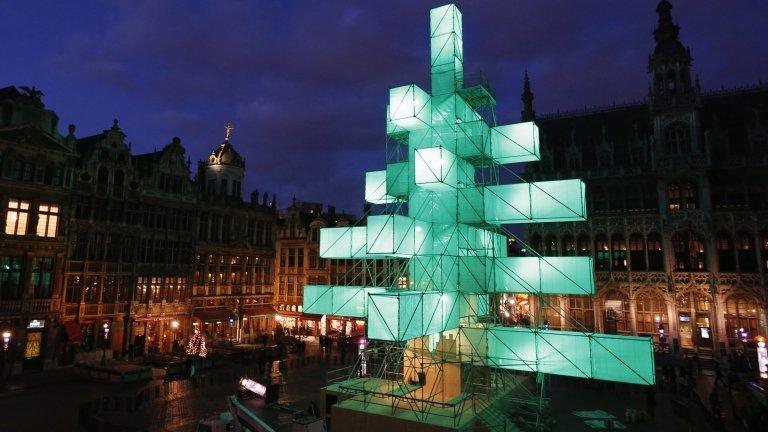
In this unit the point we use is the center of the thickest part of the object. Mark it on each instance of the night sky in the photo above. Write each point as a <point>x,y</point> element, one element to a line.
<point>306,83</point>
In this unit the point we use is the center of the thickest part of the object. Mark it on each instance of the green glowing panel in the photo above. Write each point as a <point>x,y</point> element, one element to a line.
<point>404,315</point>
<point>397,179</point>
<point>347,242</point>
<point>400,236</point>
<point>446,48</point>
<point>410,107</point>
<point>544,275</point>
<point>429,273</point>
<point>347,301</point>
<point>626,359</point>
<point>471,206</point>
<point>436,168</point>
<point>623,358</point>
<point>433,206</point>
<point>550,201</point>
<point>515,143</point>
<point>376,188</point>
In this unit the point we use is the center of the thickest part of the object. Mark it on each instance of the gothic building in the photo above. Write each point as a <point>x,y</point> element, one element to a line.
<point>677,190</point>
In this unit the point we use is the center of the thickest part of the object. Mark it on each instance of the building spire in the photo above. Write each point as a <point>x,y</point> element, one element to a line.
<point>666,30</point>
<point>527,114</point>
<point>228,128</point>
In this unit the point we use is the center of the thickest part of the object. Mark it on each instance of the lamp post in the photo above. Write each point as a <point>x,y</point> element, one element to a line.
<point>174,331</point>
<point>6,346</point>
<point>105,326</point>
<point>662,336</point>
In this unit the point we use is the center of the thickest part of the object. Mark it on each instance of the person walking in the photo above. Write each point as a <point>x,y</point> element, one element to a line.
<point>719,375</point>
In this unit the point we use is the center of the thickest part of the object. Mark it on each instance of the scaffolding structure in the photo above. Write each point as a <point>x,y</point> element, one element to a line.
<point>439,351</point>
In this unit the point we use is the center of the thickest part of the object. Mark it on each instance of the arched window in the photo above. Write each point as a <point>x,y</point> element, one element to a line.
<point>637,252</point>
<point>551,246</point>
<point>602,253</point>
<point>678,138</point>
<point>689,251</point>
<point>740,317</point>
<point>583,246</point>
<point>569,245</point>
<point>102,179</point>
<point>118,183</point>
<point>689,199</point>
<point>651,313</point>
<point>745,249</point>
<point>616,315</point>
<point>673,197</point>
<point>618,252</point>
<point>725,257</point>
<point>582,312</point>
<point>655,252</point>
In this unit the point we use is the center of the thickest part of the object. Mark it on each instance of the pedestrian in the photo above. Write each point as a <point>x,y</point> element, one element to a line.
<point>714,403</point>
<point>650,400</point>
<point>697,363</point>
<point>719,375</point>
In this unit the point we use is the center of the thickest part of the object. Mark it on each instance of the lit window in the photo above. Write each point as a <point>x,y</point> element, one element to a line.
<point>17,217</point>
<point>48,220</point>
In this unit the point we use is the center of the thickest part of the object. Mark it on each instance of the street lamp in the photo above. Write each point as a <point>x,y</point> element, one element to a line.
<point>105,326</point>
<point>6,340</point>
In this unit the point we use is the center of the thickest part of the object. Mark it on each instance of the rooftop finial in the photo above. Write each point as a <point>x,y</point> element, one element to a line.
<point>228,128</point>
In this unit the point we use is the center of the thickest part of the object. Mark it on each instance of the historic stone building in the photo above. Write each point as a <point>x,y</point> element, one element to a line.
<point>130,246</point>
<point>105,253</point>
<point>677,190</point>
<point>36,171</point>
<point>233,283</point>
<point>299,263</point>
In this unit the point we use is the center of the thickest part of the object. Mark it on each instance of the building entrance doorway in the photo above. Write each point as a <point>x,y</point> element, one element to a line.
<point>694,324</point>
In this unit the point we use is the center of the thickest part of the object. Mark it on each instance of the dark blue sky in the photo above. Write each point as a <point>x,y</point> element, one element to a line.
<point>305,83</point>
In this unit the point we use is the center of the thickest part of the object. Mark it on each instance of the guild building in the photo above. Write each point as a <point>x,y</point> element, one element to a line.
<point>299,264</point>
<point>105,253</point>
<point>677,189</point>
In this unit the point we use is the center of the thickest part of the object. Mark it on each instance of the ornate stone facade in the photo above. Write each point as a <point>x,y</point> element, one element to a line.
<point>678,206</point>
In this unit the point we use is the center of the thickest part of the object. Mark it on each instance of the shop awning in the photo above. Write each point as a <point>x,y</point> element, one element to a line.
<point>257,310</point>
<point>73,332</point>
<point>212,314</point>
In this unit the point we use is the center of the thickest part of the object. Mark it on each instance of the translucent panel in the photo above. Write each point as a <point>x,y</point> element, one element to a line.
<point>473,139</point>
<point>347,242</point>
<point>428,273</point>
<point>410,314</point>
<point>396,235</point>
<point>515,143</point>
<point>551,201</point>
<point>376,188</point>
<point>626,359</point>
<point>474,274</point>
<point>562,353</point>
<point>433,206</point>
<point>446,49</point>
<point>470,205</point>
<point>397,179</point>
<point>435,168</point>
<point>410,107</point>
<point>347,301</point>
<point>544,275</point>
<point>623,358</point>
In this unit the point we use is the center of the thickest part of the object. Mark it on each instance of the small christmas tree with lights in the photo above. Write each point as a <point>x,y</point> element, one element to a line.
<point>196,345</point>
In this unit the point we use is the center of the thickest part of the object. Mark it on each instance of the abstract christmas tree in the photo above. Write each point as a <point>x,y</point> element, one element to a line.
<point>445,214</point>
<point>196,345</point>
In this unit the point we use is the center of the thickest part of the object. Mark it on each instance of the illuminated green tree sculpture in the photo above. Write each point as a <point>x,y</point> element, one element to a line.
<point>447,222</point>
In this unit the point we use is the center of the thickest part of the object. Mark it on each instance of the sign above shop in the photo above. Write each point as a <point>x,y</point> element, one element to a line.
<point>36,324</point>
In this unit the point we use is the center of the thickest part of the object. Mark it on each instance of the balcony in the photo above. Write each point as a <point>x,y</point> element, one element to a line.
<point>29,305</point>
<point>95,309</point>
